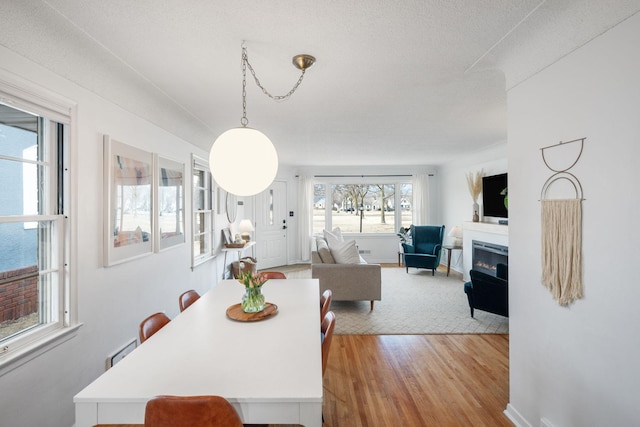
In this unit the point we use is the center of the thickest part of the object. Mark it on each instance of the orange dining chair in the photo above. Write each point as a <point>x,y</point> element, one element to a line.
<point>151,325</point>
<point>190,411</point>
<point>187,298</point>
<point>118,425</point>
<point>273,275</point>
<point>325,303</point>
<point>326,330</point>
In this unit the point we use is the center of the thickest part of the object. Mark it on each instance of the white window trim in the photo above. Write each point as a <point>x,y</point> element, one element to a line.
<point>22,94</point>
<point>24,354</point>
<point>198,163</point>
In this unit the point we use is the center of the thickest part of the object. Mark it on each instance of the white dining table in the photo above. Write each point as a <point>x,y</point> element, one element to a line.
<point>270,370</point>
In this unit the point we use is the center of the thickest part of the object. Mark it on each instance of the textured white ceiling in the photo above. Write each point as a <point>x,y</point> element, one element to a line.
<point>395,83</point>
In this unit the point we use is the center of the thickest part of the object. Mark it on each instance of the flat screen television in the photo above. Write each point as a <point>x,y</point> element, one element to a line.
<point>494,193</point>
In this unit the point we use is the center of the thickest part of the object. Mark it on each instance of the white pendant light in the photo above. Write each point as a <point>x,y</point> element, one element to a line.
<point>247,147</point>
<point>255,154</point>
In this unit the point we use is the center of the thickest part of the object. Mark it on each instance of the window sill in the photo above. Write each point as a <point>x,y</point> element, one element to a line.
<point>368,235</point>
<point>22,355</point>
<point>200,261</point>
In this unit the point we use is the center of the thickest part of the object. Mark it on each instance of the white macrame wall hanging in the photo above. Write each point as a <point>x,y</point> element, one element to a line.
<point>561,227</point>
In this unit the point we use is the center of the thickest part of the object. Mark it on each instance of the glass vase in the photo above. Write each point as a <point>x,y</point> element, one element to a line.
<point>253,300</point>
<point>476,210</point>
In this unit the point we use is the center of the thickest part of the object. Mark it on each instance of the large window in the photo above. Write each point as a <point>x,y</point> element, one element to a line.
<point>34,299</point>
<point>362,208</point>
<point>203,214</point>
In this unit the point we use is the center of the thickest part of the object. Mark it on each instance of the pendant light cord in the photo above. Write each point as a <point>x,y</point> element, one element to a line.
<point>244,121</point>
<point>245,63</point>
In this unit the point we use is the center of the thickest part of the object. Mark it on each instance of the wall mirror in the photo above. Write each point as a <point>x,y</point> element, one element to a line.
<point>231,207</point>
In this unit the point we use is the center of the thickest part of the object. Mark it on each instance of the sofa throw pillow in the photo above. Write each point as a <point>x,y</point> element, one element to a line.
<point>323,250</point>
<point>333,236</point>
<point>345,252</point>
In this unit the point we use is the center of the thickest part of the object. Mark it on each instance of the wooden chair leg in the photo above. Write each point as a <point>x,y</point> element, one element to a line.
<point>371,305</point>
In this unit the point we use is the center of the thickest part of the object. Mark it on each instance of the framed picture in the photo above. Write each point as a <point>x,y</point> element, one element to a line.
<point>129,208</point>
<point>226,234</point>
<point>169,196</point>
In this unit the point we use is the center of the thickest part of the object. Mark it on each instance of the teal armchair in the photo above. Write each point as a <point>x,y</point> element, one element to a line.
<point>425,248</point>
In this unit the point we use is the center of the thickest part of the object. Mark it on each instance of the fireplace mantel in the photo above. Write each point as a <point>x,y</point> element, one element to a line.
<point>486,227</point>
<point>483,231</point>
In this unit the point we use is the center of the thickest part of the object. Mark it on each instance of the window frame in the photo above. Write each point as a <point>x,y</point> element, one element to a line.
<point>328,184</point>
<point>58,114</point>
<point>198,165</point>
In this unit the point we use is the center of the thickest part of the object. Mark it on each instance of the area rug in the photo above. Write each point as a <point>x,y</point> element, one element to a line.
<point>413,303</point>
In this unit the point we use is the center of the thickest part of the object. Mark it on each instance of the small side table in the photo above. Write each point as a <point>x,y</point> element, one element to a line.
<point>239,251</point>
<point>450,249</point>
<point>400,255</point>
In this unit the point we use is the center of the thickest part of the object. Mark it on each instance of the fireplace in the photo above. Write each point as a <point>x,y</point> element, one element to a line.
<point>486,256</point>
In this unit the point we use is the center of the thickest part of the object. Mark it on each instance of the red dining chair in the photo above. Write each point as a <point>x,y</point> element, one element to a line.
<point>273,275</point>
<point>190,411</point>
<point>326,329</point>
<point>325,303</point>
<point>187,298</point>
<point>151,325</point>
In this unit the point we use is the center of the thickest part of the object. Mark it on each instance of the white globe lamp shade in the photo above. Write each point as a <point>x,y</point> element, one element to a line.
<point>243,161</point>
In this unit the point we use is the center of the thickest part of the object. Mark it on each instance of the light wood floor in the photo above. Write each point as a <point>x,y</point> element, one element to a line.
<point>417,380</point>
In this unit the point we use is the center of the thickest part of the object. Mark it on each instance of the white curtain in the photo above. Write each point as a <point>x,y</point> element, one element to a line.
<point>421,199</point>
<point>305,223</point>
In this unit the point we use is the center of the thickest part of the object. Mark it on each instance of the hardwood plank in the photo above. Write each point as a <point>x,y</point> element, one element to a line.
<point>417,380</point>
<point>411,380</point>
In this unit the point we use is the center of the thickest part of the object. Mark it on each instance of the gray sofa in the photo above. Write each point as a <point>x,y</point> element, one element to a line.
<point>348,282</point>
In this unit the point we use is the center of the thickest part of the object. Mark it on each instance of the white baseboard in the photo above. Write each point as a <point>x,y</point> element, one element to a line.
<point>545,422</point>
<point>515,417</point>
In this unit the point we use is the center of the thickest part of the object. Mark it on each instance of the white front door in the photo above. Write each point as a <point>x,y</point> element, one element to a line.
<point>271,226</point>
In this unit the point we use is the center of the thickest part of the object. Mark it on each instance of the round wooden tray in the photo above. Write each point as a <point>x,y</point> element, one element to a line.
<point>235,312</point>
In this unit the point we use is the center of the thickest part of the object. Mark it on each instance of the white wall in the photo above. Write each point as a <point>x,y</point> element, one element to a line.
<point>457,204</point>
<point>577,365</point>
<point>111,301</point>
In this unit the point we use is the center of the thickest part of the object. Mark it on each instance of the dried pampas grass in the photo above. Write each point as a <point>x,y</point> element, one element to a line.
<point>474,181</point>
